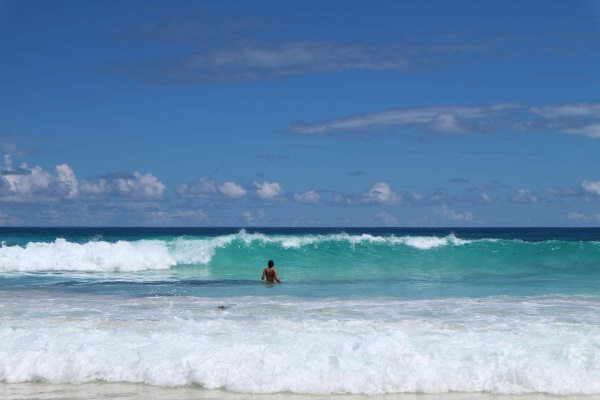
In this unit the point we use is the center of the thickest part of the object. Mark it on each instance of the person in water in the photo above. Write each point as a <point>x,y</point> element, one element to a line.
<point>270,273</point>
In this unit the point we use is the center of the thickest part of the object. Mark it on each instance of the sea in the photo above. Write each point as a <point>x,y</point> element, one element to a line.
<point>361,313</point>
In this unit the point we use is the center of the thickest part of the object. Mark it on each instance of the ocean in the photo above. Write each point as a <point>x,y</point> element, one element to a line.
<point>361,313</point>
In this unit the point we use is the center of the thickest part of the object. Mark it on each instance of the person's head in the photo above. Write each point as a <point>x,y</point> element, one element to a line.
<point>271,263</point>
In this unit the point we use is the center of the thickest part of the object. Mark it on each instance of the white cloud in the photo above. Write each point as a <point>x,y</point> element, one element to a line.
<point>577,119</point>
<point>416,197</point>
<point>524,196</point>
<point>255,62</point>
<point>562,192</point>
<point>201,188</point>
<point>449,120</point>
<point>141,185</point>
<point>592,131</point>
<point>290,58</point>
<point>25,184</point>
<point>134,186</point>
<point>253,218</point>
<point>378,193</point>
<point>230,189</point>
<point>591,187</point>
<point>269,190</point>
<point>577,217</point>
<point>7,162</point>
<point>206,188</point>
<point>66,177</point>
<point>448,123</point>
<point>381,192</point>
<point>30,184</point>
<point>486,198</point>
<point>581,218</point>
<point>568,110</point>
<point>448,214</point>
<point>309,196</point>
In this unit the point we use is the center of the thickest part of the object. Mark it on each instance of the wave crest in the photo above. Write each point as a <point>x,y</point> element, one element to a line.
<point>140,255</point>
<point>419,242</point>
<point>62,255</point>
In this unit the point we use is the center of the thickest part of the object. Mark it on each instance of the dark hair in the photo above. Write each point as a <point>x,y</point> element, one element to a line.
<point>271,263</point>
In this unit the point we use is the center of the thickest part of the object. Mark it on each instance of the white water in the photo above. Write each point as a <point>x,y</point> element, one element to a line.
<point>91,256</point>
<point>260,345</point>
<point>131,256</point>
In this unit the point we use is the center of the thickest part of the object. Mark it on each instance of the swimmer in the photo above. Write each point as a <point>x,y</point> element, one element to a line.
<point>270,273</point>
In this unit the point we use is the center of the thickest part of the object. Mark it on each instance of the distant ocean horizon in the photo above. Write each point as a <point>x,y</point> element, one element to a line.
<point>361,311</point>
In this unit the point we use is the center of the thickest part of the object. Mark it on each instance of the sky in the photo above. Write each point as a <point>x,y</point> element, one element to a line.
<point>312,113</point>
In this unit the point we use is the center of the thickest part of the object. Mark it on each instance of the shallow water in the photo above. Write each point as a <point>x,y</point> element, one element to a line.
<point>360,312</point>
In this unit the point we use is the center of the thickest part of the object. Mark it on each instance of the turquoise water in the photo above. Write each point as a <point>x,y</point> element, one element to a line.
<point>324,264</point>
<point>415,311</point>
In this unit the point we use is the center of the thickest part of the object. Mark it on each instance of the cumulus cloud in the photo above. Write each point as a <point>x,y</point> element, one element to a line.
<point>254,217</point>
<point>310,196</point>
<point>577,216</point>
<point>416,197</point>
<point>378,193</point>
<point>133,186</point>
<point>30,184</point>
<point>269,190</point>
<point>438,196</point>
<point>231,190</point>
<point>34,183</point>
<point>486,198</point>
<point>582,218</point>
<point>66,178</point>
<point>206,188</point>
<point>381,192</point>
<point>524,196</point>
<point>448,214</point>
<point>201,188</point>
<point>592,187</point>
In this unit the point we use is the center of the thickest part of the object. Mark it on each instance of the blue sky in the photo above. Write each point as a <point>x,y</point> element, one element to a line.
<point>312,113</point>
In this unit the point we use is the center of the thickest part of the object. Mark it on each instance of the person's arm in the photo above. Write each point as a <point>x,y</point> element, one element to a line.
<point>275,276</point>
<point>262,278</point>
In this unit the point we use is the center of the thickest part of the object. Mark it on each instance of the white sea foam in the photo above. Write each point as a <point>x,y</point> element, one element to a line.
<point>368,347</point>
<point>420,242</point>
<point>131,256</point>
<point>191,251</point>
<point>429,242</point>
<point>90,256</point>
